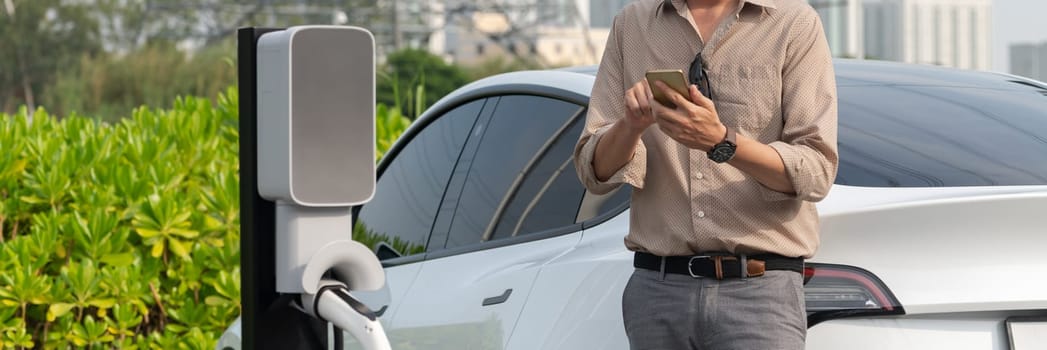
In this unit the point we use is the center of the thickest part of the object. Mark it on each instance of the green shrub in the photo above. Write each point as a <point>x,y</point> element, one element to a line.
<point>389,124</point>
<point>121,235</point>
<point>126,235</point>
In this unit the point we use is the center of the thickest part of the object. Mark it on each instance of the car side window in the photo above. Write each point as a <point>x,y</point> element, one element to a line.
<point>521,152</point>
<point>410,188</point>
<point>549,193</point>
<point>596,206</point>
<point>941,136</point>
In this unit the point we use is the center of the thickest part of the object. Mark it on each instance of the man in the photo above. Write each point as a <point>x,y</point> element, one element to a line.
<point>724,187</point>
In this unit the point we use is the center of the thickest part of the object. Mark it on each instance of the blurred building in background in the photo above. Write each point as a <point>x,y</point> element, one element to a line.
<point>952,33</point>
<point>603,11</point>
<point>1029,60</point>
<point>843,24</point>
<point>551,32</point>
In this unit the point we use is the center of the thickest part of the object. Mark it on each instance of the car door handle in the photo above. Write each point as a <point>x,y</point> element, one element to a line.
<point>498,299</point>
<point>381,311</point>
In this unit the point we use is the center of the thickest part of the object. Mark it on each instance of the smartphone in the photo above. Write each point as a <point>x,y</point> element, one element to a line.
<point>674,78</point>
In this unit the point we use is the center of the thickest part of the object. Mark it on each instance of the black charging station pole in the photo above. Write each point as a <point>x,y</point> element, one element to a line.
<point>268,319</point>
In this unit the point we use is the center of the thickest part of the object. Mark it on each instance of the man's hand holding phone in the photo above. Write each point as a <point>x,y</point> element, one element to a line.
<point>686,116</point>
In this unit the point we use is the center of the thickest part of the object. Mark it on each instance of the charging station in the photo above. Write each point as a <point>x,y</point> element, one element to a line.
<point>307,155</point>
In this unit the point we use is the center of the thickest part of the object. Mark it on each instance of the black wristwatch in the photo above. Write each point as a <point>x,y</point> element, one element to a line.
<point>724,151</point>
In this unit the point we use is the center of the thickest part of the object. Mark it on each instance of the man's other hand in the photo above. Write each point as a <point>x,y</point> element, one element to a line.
<point>693,122</point>
<point>638,114</point>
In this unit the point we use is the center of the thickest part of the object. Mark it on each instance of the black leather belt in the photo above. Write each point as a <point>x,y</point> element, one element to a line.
<point>718,266</point>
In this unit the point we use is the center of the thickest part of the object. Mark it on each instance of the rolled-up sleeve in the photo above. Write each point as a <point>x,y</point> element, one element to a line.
<point>809,109</point>
<point>606,106</point>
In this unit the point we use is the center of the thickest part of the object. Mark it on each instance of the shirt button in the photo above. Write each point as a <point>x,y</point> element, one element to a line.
<point>701,214</point>
<point>699,176</point>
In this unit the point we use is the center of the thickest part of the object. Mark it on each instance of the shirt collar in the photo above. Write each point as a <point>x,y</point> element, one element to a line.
<point>681,5</point>
<point>762,3</point>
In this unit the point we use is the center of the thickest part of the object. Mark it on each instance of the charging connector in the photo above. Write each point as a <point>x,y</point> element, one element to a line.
<point>333,303</point>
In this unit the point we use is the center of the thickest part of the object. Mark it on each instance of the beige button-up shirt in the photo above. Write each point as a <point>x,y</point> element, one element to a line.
<point>772,80</point>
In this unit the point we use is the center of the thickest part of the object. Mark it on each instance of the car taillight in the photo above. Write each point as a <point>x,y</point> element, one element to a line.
<point>838,291</point>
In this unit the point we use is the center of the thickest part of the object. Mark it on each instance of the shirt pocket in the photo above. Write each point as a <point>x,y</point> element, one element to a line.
<point>747,95</point>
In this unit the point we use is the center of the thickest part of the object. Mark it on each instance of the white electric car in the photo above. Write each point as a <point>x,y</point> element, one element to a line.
<point>933,237</point>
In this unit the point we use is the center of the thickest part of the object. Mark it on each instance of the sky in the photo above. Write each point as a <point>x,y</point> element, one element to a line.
<point>1016,21</point>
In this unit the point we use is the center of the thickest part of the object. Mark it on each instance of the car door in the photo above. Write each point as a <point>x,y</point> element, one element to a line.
<point>410,189</point>
<point>510,207</point>
<point>575,301</point>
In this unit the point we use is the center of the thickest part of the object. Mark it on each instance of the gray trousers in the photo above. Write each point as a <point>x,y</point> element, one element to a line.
<point>672,311</point>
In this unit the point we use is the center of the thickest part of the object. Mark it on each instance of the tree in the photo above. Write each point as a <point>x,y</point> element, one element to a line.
<point>500,64</point>
<point>413,79</point>
<point>109,86</point>
<point>39,37</point>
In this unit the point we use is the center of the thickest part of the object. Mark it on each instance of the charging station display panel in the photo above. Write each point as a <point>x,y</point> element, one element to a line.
<point>316,116</point>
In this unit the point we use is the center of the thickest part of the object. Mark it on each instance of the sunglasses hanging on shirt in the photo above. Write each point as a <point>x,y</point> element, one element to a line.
<point>698,76</point>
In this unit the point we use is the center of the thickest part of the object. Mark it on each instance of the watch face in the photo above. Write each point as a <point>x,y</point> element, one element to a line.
<point>721,153</point>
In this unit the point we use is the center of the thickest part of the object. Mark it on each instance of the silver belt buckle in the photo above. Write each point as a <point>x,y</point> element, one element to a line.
<point>690,264</point>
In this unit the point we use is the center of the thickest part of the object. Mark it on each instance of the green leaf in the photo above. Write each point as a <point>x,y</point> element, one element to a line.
<point>33,200</point>
<point>181,217</point>
<point>119,260</point>
<point>185,233</point>
<point>211,224</point>
<point>158,249</point>
<point>79,341</point>
<point>57,310</point>
<point>179,248</point>
<point>60,251</point>
<point>102,303</point>
<point>215,300</point>
<point>147,233</point>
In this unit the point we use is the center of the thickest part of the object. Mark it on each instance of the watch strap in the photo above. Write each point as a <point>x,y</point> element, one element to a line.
<point>729,136</point>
